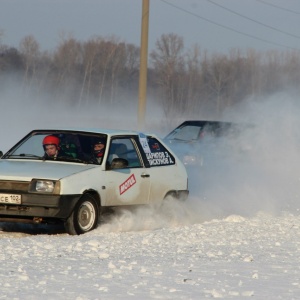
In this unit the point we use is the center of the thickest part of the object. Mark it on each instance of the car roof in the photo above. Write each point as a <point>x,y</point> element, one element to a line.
<point>106,131</point>
<point>204,122</point>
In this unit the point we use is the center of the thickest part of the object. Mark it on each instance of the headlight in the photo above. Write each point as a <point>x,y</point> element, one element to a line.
<point>44,186</point>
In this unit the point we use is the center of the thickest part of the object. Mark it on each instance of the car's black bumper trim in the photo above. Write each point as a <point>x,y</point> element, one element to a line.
<point>43,206</point>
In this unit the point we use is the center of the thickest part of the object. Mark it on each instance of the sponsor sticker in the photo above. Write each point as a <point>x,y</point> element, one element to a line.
<point>127,184</point>
<point>144,143</point>
<point>159,159</point>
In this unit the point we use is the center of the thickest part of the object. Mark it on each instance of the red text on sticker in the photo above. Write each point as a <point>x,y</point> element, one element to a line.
<point>127,184</point>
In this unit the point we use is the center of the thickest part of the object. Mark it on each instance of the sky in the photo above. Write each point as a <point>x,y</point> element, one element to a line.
<point>214,25</point>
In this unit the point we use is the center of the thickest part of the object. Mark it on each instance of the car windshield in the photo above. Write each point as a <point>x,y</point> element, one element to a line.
<point>185,133</point>
<point>194,130</point>
<point>73,146</point>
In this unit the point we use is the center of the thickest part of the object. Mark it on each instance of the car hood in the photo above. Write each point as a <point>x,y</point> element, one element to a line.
<point>26,170</point>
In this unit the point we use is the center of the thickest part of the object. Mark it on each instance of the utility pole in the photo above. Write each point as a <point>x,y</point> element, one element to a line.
<point>143,65</point>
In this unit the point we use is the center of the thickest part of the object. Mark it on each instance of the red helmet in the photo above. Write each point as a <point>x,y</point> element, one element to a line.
<point>51,140</point>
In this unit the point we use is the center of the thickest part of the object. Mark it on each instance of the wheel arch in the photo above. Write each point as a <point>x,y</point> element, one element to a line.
<point>85,214</point>
<point>95,195</point>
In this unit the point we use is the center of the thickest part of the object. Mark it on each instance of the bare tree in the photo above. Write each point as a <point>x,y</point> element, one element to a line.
<point>29,49</point>
<point>168,60</point>
<point>90,62</point>
<point>11,60</point>
<point>220,73</point>
<point>194,82</point>
<point>67,63</point>
<point>291,69</point>
<point>187,82</point>
<point>108,52</point>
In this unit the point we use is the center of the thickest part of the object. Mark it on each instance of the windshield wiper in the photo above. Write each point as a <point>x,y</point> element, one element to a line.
<point>70,159</point>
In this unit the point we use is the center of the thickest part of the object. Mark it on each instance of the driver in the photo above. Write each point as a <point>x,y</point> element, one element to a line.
<point>51,147</point>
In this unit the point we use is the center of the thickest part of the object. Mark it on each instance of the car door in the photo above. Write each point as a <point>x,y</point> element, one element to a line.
<point>130,185</point>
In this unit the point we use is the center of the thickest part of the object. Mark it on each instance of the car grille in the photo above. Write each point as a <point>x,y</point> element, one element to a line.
<point>21,186</point>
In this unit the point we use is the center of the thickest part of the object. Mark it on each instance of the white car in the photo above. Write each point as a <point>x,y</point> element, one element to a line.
<point>74,187</point>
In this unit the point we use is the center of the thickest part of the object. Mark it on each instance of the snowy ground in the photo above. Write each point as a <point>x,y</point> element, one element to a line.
<point>146,254</point>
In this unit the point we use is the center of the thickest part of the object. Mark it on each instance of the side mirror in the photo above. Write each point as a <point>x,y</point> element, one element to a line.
<point>119,163</point>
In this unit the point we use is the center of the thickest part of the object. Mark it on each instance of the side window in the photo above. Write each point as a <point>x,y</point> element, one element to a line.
<point>159,155</point>
<point>124,148</point>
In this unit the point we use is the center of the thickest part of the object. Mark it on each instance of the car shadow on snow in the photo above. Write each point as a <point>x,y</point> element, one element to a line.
<point>32,229</point>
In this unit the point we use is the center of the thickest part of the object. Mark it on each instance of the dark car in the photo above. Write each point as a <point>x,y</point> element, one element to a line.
<point>194,141</point>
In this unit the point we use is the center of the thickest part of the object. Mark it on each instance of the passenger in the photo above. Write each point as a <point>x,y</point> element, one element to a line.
<point>98,151</point>
<point>70,146</point>
<point>52,147</point>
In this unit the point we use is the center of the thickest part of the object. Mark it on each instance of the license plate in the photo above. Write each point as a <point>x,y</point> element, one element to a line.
<point>10,198</point>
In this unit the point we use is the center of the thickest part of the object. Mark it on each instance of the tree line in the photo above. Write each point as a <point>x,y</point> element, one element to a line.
<point>106,71</point>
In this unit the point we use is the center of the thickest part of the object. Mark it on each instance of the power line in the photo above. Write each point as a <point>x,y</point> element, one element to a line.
<point>245,17</point>
<point>227,27</point>
<point>279,7</point>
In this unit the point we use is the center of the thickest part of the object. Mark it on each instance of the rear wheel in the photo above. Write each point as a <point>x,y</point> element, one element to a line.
<point>84,217</point>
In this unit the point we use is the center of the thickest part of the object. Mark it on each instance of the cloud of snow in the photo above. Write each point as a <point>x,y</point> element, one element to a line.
<point>258,169</point>
<point>170,213</point>
<point>22,112</point>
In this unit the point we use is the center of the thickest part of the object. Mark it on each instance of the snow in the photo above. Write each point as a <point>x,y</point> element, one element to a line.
<point>145,253</point>
<point>236,237</point>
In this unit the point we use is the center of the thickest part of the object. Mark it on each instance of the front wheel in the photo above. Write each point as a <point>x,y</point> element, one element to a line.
<point>84,217</point>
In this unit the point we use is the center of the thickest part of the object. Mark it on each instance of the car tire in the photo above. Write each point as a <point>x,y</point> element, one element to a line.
<point>179,195</point>
<point>84,217</point>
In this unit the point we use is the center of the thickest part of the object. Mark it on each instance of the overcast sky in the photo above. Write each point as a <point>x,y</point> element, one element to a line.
<point>215,25</point>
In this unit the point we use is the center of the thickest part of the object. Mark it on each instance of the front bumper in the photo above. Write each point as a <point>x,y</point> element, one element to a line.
<point>40,206</point>
<point>35,205</point>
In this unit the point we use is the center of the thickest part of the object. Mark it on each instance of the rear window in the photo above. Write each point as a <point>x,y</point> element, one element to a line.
<point>159,155</point>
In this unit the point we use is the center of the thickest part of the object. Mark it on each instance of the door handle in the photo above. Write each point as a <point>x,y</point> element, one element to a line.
<point>145,175</point>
